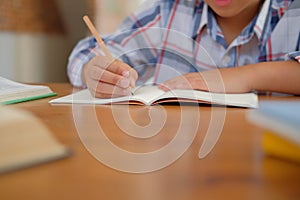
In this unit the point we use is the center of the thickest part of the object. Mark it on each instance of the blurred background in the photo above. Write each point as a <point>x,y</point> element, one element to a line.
<point>37,36</point>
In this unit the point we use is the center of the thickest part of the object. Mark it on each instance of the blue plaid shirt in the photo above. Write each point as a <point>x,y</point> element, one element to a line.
<point>167,38</point>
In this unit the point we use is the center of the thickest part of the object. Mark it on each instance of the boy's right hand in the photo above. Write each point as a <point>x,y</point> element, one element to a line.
<point>105,78</point>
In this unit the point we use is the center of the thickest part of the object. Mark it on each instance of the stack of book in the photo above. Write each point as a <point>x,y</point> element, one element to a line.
<point>281,122</point>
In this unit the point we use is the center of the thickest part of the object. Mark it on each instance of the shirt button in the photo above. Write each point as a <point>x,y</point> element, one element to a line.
<point>226,60</point>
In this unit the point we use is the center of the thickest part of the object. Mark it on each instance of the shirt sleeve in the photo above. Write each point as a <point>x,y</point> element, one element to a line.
<point>135,42</point>
<point>295,56</point>
<point>81,54</point>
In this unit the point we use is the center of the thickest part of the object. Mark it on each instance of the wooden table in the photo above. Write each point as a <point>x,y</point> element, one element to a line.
<point>236,168</point>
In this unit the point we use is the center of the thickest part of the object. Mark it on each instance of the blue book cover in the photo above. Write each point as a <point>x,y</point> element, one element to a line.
<point>280,117</point>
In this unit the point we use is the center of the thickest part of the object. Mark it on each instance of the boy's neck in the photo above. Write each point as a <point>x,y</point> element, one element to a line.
<point>232,27</point>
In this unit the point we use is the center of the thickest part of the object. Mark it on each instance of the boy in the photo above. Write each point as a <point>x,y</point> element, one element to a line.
<point>228,46</point>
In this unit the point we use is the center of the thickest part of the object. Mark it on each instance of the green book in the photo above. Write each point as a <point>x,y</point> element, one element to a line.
<point>12,92</point>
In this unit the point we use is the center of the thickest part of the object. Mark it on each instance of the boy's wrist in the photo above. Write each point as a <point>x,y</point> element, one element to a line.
<point>252,76</point>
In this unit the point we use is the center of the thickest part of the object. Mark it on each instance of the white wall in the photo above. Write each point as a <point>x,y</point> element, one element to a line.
<point>33,57</point>
<point>43,58</point>
<point>7,58</point>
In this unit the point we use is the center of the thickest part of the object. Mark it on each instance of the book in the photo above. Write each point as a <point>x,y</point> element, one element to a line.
<point>151,95</point>
<point>14,92</point>
<point>280,121</point>
<point>278,146</point>
<point>25,141</point>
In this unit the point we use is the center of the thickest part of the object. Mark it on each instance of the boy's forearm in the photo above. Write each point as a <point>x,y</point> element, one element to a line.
<point>281,76</point>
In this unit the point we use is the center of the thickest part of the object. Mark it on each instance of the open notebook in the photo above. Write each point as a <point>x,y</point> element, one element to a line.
<point>151,95</point>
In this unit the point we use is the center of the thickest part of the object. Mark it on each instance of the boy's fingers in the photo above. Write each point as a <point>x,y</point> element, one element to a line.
<point>102,75</point>
<point>133,76</point>
<point>104,90</point>
<point>115,66</point>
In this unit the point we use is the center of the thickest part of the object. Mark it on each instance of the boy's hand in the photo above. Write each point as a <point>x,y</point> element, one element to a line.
<point>106,79</point>
<point>227,80</point>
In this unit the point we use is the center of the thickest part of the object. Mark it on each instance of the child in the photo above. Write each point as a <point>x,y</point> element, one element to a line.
<point>231,46</point>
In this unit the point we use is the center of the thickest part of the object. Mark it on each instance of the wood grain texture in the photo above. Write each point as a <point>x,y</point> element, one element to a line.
<point>235,169</point>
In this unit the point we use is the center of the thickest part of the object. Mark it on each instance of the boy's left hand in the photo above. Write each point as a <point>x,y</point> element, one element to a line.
<point>226,80</point>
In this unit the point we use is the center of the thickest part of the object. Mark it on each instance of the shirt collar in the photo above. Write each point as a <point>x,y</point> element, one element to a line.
<point>261,19</point>
<point>204,18</point>
<point>258,27</point>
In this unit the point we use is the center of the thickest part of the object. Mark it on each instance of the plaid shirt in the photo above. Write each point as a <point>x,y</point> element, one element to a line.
<point>167,38</point>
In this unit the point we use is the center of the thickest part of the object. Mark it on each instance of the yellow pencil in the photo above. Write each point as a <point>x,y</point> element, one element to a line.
<point>99,40</point>
<point>97,36</point>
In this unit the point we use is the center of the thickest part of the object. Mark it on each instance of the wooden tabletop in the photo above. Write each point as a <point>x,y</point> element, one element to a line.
<point>236,168</point>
